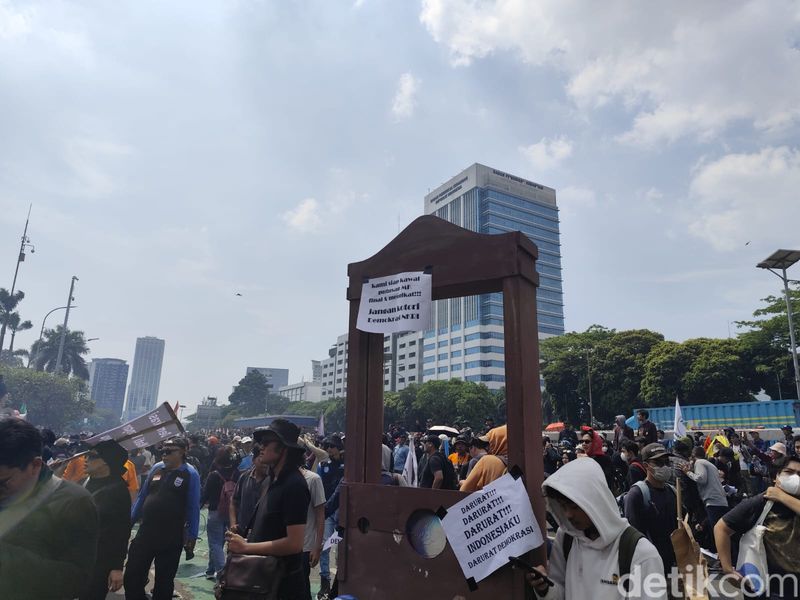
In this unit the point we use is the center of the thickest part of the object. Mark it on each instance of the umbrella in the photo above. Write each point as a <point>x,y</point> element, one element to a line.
<point>443,429</point>
<point>558,426</point>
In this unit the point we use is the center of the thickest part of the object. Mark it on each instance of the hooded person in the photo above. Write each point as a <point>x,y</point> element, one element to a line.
<point>593,543</point>
<point>105,465</point>
<point>491,466</point>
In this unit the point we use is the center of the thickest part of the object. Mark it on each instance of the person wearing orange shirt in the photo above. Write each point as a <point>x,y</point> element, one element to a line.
<point>460,458</point>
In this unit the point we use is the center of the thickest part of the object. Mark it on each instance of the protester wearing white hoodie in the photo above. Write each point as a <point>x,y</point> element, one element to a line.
<point>579,499</point>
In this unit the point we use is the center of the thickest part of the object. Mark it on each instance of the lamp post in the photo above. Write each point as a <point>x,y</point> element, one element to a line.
<point>782,260</point>
<point>41,331</point>
<point>64,329</point>
<point>591,403</point>
<point>24,243</point>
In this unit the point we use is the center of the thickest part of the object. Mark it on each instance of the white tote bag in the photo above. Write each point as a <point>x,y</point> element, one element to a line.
<point>752,562</point>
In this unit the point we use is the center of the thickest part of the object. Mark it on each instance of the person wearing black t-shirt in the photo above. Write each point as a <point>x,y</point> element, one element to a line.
<point>433,475</point>
<point>782,534</point>
<point>280,520</point>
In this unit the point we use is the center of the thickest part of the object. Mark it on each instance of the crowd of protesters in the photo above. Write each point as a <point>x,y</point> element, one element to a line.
<point>611,501</point>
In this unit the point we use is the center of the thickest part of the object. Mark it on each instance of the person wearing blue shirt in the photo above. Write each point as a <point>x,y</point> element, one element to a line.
<point>168,509</point>
<point>331,471</point>
<point>401,453</point>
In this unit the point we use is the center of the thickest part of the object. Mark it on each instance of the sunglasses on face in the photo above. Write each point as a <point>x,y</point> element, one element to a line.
<point>586,441</point>
<point>167,451</point>
<point>659,462</point>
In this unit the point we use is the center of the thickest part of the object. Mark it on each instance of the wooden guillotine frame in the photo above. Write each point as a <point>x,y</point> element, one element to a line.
<point>375,559</point>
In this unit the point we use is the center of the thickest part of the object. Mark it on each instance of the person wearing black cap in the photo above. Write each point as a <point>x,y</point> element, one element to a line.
<point>650,505</point>
<point>105,464</point>
<point>280,520</point>
<point>168,507</point>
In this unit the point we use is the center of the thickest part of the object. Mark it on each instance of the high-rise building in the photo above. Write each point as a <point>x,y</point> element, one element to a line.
<point>276,378</point>
<point>107,380</point>
<point>466,341</point>
<point>146,376</point>
<point>316,370</point>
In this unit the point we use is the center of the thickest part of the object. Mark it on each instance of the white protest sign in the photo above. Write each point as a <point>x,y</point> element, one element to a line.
<point>487,527</point>
<point>395,303</point>
<point>332,541</point>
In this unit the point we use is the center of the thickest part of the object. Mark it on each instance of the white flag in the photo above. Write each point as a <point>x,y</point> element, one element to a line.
<point>679,429</point>
<point>321,426</point>
<point>410,468</point>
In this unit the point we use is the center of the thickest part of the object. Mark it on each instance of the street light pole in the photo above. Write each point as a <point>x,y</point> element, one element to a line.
<point>589,378</point>
<point>791,333</point>
<point>41,331</point>
<point>783,259</point>
<point>25,242</point>
<point>64,329</point>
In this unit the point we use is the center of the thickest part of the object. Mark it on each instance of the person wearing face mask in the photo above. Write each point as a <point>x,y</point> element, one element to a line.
<point>782,534</point>
<point>650,505</point>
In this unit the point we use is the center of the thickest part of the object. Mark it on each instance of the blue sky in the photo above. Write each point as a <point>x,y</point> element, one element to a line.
<point>177,153</point>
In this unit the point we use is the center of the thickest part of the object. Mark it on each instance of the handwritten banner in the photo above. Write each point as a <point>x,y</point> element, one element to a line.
<point>395,303</point>
<point>490,525</point>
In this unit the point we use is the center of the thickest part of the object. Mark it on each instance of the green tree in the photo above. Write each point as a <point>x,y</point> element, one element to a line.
<point>8,303</point>
<point>564,367</point>
<point>765,342</point>
<point>54,402</point>
<point>448,402</point>
<point>249,397</point>
<point>16,324</point>
<point>698,371</point>
<point>45,352</point>
<point>617,367</point>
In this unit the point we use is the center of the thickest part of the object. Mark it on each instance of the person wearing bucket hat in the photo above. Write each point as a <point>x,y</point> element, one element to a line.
<point>168,507</point>
<point>105,464</point>
<point>279,523</point>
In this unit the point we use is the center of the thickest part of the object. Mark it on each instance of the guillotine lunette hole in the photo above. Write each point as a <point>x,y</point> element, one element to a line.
<point>425,533</point>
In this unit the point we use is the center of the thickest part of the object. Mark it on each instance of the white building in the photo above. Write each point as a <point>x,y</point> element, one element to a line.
<point>402,364</point>
<point>145,376</point>
<point>305,391</point>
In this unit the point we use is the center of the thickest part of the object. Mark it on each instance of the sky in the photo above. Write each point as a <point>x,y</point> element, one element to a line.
<point>179,153</point>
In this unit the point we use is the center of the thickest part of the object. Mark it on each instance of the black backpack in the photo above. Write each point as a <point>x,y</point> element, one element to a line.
<point>627,546</point>
<point>449,478</point>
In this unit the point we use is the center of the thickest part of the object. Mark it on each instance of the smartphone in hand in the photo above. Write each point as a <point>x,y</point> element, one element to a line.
<point>521,564</point>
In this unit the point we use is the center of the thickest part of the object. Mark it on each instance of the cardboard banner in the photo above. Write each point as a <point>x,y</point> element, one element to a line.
<point>490,525</point>
<point>332,541</point>
<point>395,303</point>
<point>150,428</point>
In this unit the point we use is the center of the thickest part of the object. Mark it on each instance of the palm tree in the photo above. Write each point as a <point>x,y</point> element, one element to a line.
<point>8,302</point>
<point>15,324</point>
<point>45,352</point>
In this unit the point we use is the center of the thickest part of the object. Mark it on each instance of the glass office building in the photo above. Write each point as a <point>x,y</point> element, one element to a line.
<point>466,341</point>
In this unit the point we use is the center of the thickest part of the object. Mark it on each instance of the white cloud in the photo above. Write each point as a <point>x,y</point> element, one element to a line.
<point>405,100</point>
<point>573,200</point>
<point>305,217</point>
<point>692,69</point>
<point>90,161</point>
<point>743,197</point>
<point>13,23</point>
<point>548,153</point>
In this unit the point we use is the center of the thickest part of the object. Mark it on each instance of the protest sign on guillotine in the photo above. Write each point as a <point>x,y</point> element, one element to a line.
<point>487,527</point>
<point>395,303</point>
